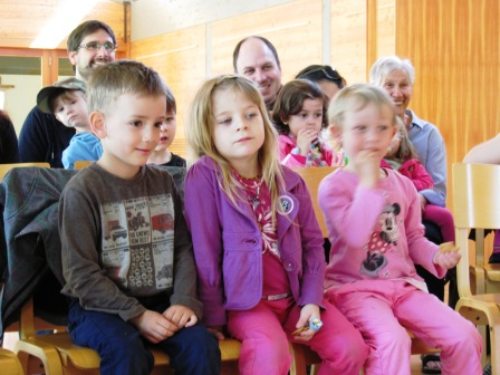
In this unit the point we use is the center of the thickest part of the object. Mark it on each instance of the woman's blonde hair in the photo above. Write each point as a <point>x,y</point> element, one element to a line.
<point>200,130</point>
<point>354,98</point>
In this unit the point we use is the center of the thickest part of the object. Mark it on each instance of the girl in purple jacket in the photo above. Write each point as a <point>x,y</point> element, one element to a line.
<point>373,216</point>
<point>257,244</point>
<point>402,157</point>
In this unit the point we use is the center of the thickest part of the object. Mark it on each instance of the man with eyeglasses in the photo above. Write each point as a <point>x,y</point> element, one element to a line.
<point>42,137</point>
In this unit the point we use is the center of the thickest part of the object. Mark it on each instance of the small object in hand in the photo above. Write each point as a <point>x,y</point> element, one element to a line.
<point>447,247</point>
<point>298,331</point>
<point>315,324</point>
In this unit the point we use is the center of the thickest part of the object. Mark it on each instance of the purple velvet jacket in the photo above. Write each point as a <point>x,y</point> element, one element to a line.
<point>228,243</point>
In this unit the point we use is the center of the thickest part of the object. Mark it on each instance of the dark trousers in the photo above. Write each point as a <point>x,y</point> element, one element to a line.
<point>192,350</point>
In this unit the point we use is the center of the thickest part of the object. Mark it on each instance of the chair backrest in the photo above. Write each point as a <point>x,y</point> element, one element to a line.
<point>80,164</point>
<point>476,205</point>
<point>312,177</point>
<point>5,168</point>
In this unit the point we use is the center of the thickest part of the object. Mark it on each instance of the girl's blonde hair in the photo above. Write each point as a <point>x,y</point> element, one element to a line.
<point>405,151</point>
<point>200,130</point>
<point>354,98</point>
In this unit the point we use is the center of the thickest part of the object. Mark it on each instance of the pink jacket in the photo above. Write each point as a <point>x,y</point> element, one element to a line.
<point>287,144</point>
<point>375,233</point>
<point>416,172</point>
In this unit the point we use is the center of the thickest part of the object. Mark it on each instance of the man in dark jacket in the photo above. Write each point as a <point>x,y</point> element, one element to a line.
<point>42,137</point>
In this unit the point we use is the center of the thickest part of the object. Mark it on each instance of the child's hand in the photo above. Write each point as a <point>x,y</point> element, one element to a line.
<point>154,326</point>
<point>423,201</point>
<point>308,313</point>
<point>181,316</point>
<point>305,137</point>
<point>217,332</point>
<point>367,166</point>
<point>447,256</point>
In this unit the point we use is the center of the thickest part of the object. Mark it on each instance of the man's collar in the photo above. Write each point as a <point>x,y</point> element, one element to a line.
<point>415,120</point>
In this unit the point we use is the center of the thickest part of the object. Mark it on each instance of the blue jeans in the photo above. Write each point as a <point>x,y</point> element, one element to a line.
<point>123,350</point>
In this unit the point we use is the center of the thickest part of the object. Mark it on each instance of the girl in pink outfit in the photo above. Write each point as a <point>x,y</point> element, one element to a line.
<point>257,244</point>
<point>402,157</point>
<point>374,219</point>
<point>299,114</point>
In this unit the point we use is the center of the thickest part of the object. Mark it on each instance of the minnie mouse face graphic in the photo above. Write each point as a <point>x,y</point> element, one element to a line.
<point>385,236</point>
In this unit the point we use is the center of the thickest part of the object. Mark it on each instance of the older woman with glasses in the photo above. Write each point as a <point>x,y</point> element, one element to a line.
<point>327,78</point>
<point>397,76</point>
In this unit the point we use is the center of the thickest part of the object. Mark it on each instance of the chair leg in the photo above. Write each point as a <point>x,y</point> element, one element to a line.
<point>299,365</point>
<point>49,357</point>
<point>24,360</point>
<point>495,348</point>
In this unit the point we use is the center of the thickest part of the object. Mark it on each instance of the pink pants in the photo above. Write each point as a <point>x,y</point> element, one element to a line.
<point>443,219</point>
<point>265,332</point>
<point>382,315</point>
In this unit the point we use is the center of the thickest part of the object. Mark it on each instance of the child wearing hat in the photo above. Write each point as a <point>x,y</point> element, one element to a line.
<point>66,100</point>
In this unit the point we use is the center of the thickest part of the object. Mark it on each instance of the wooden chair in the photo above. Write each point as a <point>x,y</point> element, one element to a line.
<point>4,168</point>
<point>302,355</point>
<point>476,205</point>
<point>9,363</point>
<point>312,177</point>
<point>80,164</point>
<point>59,355</point>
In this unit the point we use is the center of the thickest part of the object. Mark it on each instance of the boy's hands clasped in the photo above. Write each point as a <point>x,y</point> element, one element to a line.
<point>156,327</point>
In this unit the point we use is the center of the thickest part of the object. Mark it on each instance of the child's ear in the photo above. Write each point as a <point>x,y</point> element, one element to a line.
<point>97,124</point>
<point>283,118</point>
<point>336,134</point>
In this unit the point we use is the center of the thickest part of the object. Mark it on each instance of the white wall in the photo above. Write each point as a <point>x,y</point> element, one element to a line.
<point>22,98</point>
<point>154,17</point>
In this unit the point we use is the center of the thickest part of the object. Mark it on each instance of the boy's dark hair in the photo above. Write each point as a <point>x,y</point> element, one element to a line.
<point>318,73</point>
<point>84,29</point>
<point>291,99</point>
<point>108,82</point>
<point>236,52</point>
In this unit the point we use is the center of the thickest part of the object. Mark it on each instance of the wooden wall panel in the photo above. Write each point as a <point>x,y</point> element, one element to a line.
<point>179,57</point>
<point>386,29</point>
<point>454,45</point>
<point>294,29</point>
<point>22,20</point>
<point>348,38</point>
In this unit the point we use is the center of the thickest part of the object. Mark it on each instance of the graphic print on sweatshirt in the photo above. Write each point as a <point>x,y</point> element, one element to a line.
<point>383,238</point>
<point>138,243</point>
